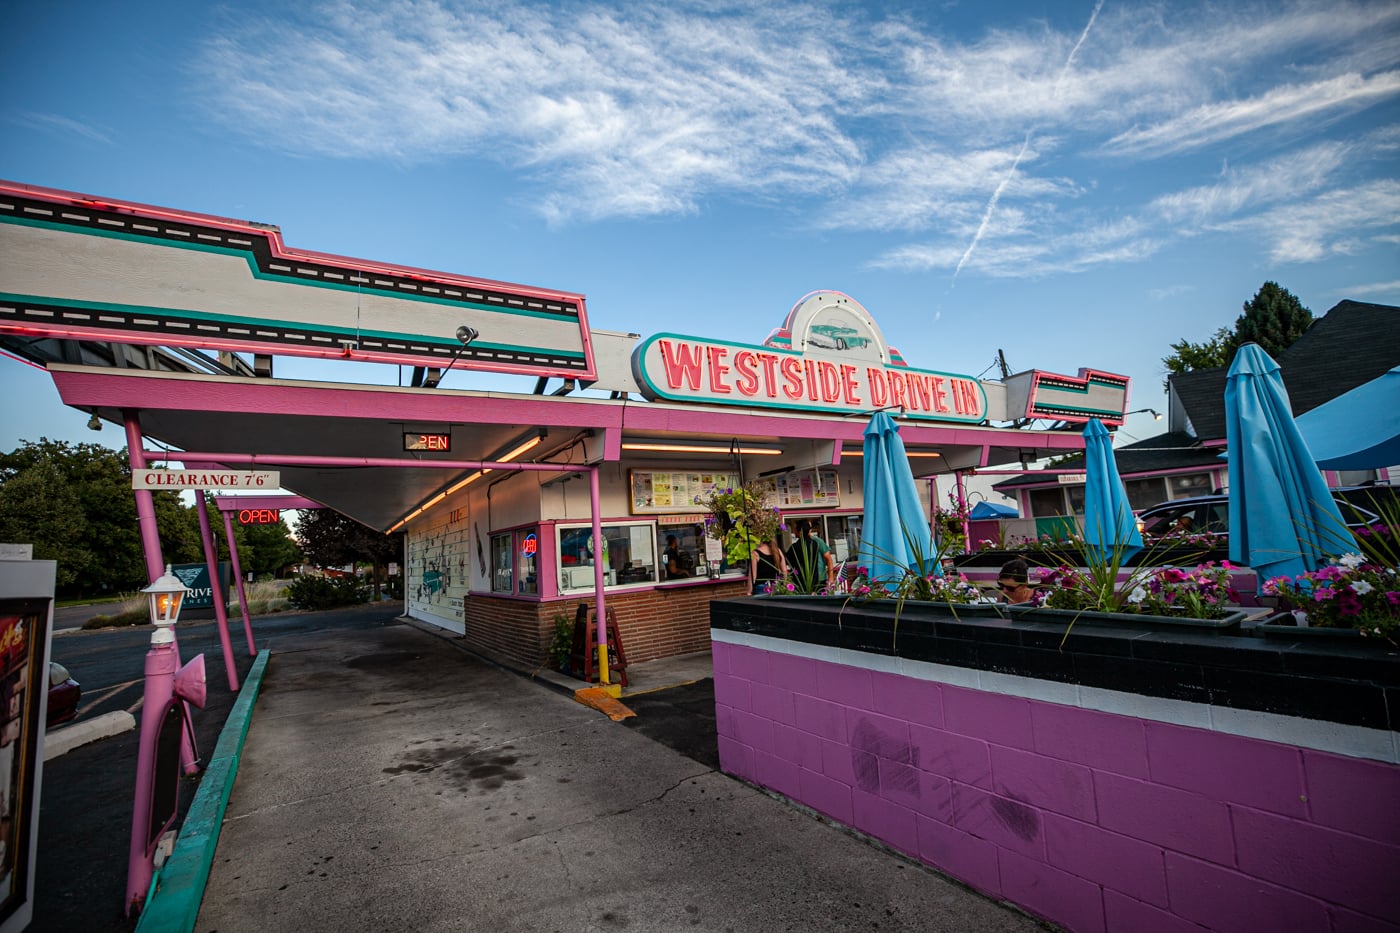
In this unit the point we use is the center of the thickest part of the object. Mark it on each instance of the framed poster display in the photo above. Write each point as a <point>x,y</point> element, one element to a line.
<point>808,489</point>
<point>26,600</point>
<point>658,492</point>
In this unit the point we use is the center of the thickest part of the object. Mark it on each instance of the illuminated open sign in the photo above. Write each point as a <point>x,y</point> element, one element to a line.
<point>530,546</point>
<point>416,441</point>
<point>259,516</point>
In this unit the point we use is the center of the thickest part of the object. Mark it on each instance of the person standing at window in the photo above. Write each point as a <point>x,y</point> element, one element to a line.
<point>766,566</point>
<point>810,559</point>
<point>679,562</point>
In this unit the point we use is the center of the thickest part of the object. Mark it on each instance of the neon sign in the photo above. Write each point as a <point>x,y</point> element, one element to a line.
<point>259,516</point>
<point>530,546</point>
<point>416,441</point>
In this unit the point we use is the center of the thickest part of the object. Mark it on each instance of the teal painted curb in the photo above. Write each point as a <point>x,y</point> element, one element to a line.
<point>178,889</point>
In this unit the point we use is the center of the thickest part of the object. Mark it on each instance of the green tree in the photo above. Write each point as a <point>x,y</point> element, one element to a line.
<point>1208,354</point>
<point>329,539</point>
<point>1273,318</point>
<point>55,529</point>
<point>264,550</point>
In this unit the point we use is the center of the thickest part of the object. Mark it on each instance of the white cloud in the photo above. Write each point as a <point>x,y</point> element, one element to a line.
<point>863,121</point>
<point>1374,288</point>
<point>54,121</point>
<point>1213,122</point>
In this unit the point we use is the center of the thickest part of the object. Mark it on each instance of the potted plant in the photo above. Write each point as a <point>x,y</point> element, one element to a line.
<point>742,518</point>
<point>561,645</point>
<point>1352,596</point>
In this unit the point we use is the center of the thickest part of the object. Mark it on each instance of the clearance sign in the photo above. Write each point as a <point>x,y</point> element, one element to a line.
<point>692,369</point>
<point>205,479</point>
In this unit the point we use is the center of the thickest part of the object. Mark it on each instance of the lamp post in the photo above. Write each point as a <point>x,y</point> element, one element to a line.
<point>158,760</point>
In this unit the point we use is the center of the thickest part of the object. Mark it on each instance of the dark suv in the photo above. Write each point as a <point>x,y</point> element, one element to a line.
<point>1359,505</point>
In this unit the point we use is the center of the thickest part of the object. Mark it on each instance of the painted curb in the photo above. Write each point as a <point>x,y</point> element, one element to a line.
<point>179,887</point>
<point>62,741</point>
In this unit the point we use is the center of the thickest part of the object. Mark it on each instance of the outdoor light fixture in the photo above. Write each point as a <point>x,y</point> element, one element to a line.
<point>465,335</point>
<point>700,447</point>
<point>166,596</point>
<point>860,452</point>
<point>94,423</point>
<point>1156,415</point>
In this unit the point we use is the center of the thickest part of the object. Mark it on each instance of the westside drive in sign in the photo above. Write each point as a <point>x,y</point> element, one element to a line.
<point>205,479</point>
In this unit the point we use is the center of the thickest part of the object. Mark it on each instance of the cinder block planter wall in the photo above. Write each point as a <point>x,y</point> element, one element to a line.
<point>1130,782</point>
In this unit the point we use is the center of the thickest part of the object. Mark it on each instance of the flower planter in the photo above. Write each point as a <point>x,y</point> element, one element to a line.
<point>1230,622</point>
<point>892,605</point>
<point>1283,625</point>
<point>1074,557</point>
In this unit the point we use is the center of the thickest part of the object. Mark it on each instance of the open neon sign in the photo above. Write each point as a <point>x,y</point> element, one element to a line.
<point>259,516</point>
<point>417,441</point>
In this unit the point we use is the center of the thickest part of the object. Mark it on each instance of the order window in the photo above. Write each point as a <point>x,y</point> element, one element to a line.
<point>629,555</point>
<point>502,569</point>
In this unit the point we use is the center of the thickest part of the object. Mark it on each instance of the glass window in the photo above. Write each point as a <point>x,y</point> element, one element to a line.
<point>845,536</point>
<point>1047,502</point>
<point>1190,484</point>
<point>501,566</point>
<point>682,549</point>
<point>629,555</point>
<point>1145,493</point>
<point>1076,498</point>
<point>527,545</point>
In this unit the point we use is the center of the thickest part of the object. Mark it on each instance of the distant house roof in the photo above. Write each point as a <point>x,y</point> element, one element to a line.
<point>1175,451</point>
<point>1351,344</point>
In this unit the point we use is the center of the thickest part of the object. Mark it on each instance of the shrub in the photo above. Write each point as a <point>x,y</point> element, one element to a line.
<point>317,592</point>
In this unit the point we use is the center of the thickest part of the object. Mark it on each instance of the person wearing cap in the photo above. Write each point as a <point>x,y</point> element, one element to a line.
<point>1014,582</point>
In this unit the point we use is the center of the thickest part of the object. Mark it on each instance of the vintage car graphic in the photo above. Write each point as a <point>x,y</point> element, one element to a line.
<point>834,337</point>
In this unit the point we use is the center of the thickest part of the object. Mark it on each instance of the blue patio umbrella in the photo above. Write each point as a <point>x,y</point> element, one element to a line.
<point>1109,524</point>
<point>896,533</point>
<point>1283,520</point>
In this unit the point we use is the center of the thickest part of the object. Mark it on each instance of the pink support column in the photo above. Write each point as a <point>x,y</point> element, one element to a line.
<point>145,504</point>
<point>161,664</point>
<point>238,577</point>
<point>962,509</point>
<point>150,545</point>
<point>599,580</point>
<point>211,558</point>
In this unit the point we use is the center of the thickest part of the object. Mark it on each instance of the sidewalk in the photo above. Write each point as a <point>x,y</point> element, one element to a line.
<point>390,781</point>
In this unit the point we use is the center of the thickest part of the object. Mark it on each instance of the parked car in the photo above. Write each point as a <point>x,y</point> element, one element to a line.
<point>64,694</point>
<point>1211,514</point>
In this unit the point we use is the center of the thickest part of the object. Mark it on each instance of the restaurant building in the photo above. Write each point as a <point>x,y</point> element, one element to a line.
<point>169,324</point>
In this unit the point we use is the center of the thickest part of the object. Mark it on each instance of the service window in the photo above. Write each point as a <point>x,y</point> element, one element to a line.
<point>502,569</point>
<point>1047,502</point>
<point>682,550</point>
<point>844,536</point>
<point>629,555</point>
<point>527,548</point>
<point>1076,498</point>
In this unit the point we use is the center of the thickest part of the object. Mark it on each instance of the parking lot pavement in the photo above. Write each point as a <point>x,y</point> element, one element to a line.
<point>390,781</point>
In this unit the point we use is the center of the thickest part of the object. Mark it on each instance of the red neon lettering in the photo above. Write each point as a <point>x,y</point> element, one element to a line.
<point>770,378</point>
<point>971,404</point>
<point>850,389</point>
<point>940,398</point>
<point>747,377</point>
<point>918,391</point>
<point>879,389</point>
<point>896,388</point>
<point>792,377</point>
<point>682,361</point>
<point>811,367</point>
<point>718,369</point>
<point>831,382</point>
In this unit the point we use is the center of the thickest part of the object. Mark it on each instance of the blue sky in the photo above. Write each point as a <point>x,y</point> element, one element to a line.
<point>1077,184</point>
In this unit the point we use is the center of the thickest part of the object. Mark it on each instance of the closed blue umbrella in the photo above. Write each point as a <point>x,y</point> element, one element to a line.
<point>1109,524</point>
<point>1283,521</point>
<point>895,534</point>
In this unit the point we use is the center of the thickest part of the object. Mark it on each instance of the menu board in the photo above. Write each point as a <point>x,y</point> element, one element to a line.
<point>808,488</point>
<point>655,492</point>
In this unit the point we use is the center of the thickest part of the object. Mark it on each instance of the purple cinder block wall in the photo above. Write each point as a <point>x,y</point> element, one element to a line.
<point>1095,821</point>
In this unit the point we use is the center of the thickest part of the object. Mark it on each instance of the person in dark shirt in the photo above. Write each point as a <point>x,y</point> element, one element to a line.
<point>679,563</point>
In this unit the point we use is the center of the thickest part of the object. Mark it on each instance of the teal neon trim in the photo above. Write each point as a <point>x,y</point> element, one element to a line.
<point>1053,409</point>
<point>1084,390</point>
<point>247,256</point>
<point>348,333</point>
<point>173,906</point>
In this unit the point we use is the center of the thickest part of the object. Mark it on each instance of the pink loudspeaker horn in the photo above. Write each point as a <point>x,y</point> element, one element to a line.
<point>189,682</point>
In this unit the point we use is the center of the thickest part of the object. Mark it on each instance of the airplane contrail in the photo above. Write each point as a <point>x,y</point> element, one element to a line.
<point>1025,144</point>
